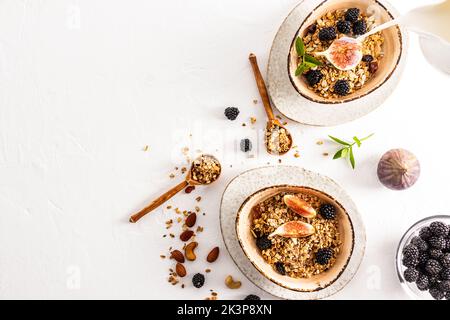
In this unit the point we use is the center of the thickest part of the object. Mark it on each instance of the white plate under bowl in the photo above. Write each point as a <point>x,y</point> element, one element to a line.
<point>296,107</point>
<point>247,184</point>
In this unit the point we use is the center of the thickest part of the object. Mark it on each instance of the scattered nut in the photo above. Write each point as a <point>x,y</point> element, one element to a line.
<point>191,219</point>
<point>177,255</point>
<point>230,283</point>
<point>213,255</point>
<point>189,189</point>
<point>189,251</point>
<point>186,235</point>
<point>180,270</point>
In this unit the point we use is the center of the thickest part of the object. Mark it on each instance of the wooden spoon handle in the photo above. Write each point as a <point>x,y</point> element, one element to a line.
<point>261,86</point>
<point>157,202</point>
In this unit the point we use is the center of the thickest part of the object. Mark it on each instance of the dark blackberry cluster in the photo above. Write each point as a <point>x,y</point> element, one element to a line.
<point>427,259</point>
<point>359,27</point>
<point>344,26</point>
<point>327,211</point>
<point>198,280</point>
<point>246,145</point>
<point>231,113</point>
<point>313,77</point>
<point>252,297</point>
<point>323,256</point>
<point>327,34</point>
<point>342,87</point>
<point>279,266</point>
<point>263,243</point>
<point>352,14</point>
<point>367,58</point>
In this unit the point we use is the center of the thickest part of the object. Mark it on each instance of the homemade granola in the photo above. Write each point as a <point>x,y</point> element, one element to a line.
<point>277,139</point>
<point>301,257</point>
<point>328,81</point>
<point>205,170</point>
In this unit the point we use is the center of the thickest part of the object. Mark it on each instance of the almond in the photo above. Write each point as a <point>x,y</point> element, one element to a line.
<point>180,270</point>
<point>189,189</point>
<point>186,235</point>
<point>177,255</point>
<point>213,255</point>
<point>191,219</point>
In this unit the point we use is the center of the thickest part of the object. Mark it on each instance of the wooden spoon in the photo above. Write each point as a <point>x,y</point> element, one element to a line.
<point>272,121</point>
<point>189,181</point>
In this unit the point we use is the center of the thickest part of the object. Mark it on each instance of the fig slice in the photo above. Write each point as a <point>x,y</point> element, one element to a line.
<point>299,206</point>
<point>294,229</point>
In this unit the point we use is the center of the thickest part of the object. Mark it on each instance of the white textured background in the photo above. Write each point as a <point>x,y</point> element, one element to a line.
<point>85,85</point>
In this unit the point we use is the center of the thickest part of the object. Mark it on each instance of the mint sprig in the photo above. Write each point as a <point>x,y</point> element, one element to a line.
<point>347,150</point>
<point>307,61</point>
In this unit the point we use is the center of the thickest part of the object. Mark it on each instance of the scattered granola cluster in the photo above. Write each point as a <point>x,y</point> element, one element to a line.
<point>296,257</point>
<point>328,81</point>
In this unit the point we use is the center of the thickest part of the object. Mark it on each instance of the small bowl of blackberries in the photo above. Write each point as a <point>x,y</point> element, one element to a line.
<point>423,259</point>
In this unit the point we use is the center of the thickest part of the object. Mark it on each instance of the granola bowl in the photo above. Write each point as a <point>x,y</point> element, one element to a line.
<point>320,101</point>
<point>296,256</point>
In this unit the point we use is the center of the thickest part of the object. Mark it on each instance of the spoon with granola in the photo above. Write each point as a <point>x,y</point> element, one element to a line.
<point>205,170</point>
<point>277,138</point>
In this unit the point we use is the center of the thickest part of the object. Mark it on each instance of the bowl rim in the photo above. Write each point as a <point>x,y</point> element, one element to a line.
<point>238,215</point>
<point>340,101</point>
<point>403,241</point>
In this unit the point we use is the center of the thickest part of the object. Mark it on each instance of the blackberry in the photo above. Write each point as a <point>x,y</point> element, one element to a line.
<point>439,229</point>
<point>445,260</point>
<point>352,14</point>
<point>246,145</point>
<point>421,244</point>
<point>410,262</point>
<point>232,113</point>
<point>447,296</point>
<point>423,258</point>
<point>411,275</point>
<point>367,58</point>
<point>359,27</point>
<point>252,297</point>
<point>279,266</point>
<point>411,251</point>
<point>341,87</point>
<point>437,294</point>
<point>313,77</point>
<point>437,243</point>
<point>327,34</point>
<point>423,283</point>
<point>198,280</point>
<point>425,233</point>
<point>344,26</point>
<point>445,274</point>
<point>433,267</point>
<point>434,280</point>
<point>445,286</point>
<point>327,211</point>
<point>435,254</point>
<point>323,256</point>
<point>263,243</point>
<point>447,245</point>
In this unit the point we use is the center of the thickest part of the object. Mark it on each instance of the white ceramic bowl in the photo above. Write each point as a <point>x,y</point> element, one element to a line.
<point>248,243</point>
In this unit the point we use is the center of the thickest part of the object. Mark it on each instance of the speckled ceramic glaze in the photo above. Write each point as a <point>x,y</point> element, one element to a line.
<point>249,183</point>
<point>295,102</point>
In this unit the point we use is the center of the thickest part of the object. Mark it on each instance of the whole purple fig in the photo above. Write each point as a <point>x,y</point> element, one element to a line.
<point>398,169</point>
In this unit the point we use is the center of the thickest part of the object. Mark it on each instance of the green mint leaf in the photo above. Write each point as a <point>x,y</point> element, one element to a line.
<point>300,47</point>
<point>300,70</point>
<point>339,141</point>
<point>311,59</point>
<point>358,142</point>
<point>338,154</point>
<point>352,158</point>
<point>369,136</point>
